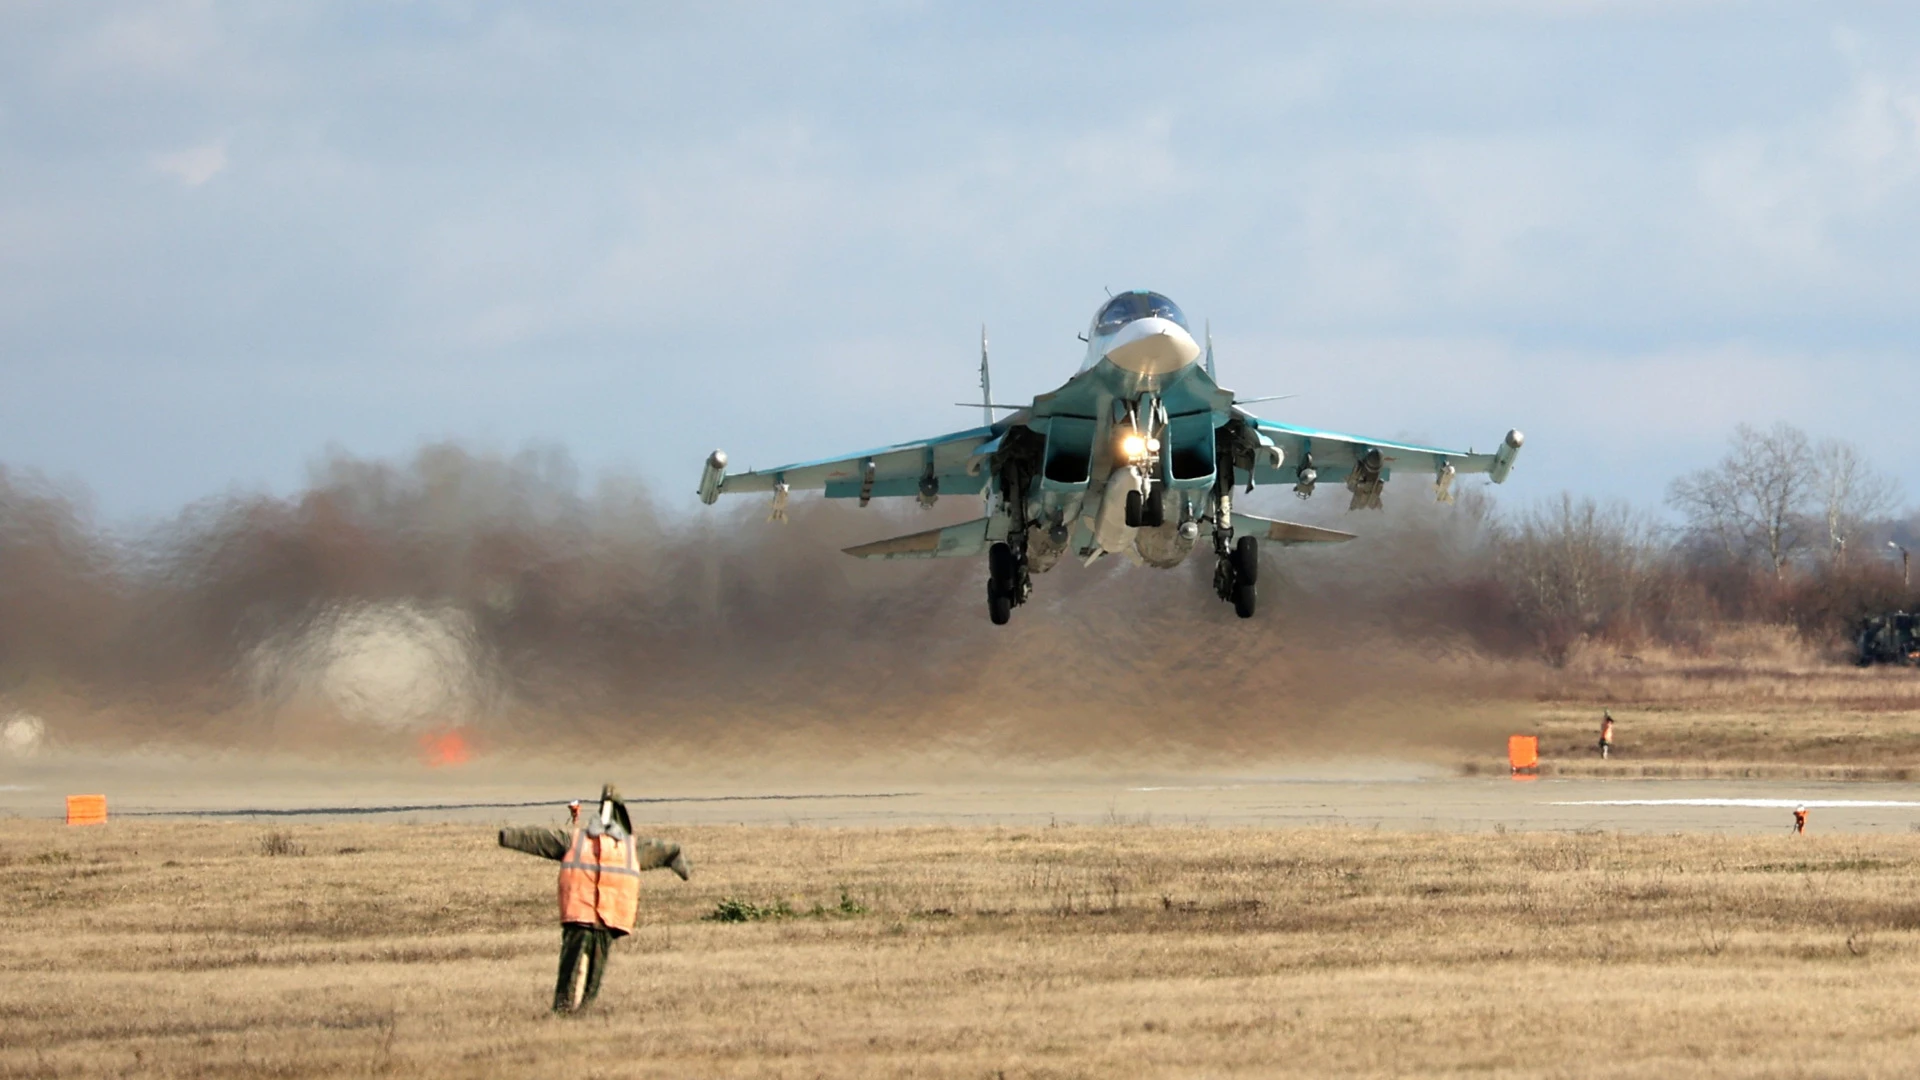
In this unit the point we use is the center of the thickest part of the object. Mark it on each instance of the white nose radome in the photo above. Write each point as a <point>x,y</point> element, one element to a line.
<point>1152,346</point>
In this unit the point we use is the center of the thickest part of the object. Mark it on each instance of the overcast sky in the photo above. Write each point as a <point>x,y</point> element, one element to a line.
<point>234,235</point>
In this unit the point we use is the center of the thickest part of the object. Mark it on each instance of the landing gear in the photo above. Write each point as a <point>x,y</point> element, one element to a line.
<point>1236,569</point>
<point>1246,560</point>
<point>1016,466</point>
<point>1147,510</point>
<point>1235,586</point>
<point>1008,584</point>
<point>1245,598</point>
<point>1001,563</point>
<point>1236,577</point>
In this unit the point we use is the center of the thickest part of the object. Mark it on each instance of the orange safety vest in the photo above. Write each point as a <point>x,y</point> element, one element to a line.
<point>600,881</point>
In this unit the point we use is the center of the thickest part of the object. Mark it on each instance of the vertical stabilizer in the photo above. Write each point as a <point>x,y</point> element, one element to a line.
<point>1211,373</point>
<point>986,381</point>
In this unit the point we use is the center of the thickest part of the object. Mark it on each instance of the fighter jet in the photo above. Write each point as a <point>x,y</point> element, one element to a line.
<point>1138,454</point>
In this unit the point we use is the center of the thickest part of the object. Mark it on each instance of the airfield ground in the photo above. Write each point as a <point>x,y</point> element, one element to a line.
<point>1647,916</point>
<point>187,949</point>
<point>1775,711</point>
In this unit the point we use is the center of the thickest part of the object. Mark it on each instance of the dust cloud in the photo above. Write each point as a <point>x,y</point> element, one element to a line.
<point>531,611</point>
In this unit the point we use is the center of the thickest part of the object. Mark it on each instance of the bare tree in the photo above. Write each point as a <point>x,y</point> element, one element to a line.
<point>1851,493</point>
<point>1575,566</point>
<point>1755,501</point>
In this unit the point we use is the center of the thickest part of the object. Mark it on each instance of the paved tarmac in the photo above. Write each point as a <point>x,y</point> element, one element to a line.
<point>1385,795</point>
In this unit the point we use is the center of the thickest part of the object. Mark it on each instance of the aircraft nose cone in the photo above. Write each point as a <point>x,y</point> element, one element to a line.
<point>1153,347</point>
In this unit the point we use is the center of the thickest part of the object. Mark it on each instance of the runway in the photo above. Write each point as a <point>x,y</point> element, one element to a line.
<point>1386,795</point>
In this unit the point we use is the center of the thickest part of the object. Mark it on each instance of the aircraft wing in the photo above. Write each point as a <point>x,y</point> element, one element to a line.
<point>1338,457</point>
<point>951,462</point>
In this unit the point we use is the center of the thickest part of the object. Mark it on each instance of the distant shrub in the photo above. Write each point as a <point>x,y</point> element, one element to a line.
<point>279,842</point>
<point>735,910</point>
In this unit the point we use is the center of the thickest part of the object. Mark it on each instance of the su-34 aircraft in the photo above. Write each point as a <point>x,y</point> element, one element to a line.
<point>1139,454</point>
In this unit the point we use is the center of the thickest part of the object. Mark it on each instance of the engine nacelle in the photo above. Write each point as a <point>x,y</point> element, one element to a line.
<point>712,476</point>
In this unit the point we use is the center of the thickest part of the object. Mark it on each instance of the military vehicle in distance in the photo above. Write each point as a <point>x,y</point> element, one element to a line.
<point>1893,638</point>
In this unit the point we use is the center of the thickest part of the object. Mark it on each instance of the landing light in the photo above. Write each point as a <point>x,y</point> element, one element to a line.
<point>1134,446</point>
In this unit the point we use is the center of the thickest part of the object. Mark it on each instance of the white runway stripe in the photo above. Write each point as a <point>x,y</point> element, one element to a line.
<point>1762,804</point>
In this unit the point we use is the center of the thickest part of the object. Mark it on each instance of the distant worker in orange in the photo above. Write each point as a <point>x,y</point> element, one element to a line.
<point>1799,819</point>
<point>1606,734</point>
<point>600,867</point>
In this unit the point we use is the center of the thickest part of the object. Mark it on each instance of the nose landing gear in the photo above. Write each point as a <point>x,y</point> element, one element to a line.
<point>1148,510</point>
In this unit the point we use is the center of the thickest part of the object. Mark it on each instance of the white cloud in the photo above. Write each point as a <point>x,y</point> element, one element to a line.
<point>167,40</point>
<point>194,165</point>
<point>1793,195</point>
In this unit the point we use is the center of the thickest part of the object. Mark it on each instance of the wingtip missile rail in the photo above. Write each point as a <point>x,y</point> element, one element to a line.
<point>712,476</point>
<point>1503,460</point>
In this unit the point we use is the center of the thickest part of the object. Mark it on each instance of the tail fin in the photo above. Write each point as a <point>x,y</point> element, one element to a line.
<point>1211,372</point>
<point>986,381</point>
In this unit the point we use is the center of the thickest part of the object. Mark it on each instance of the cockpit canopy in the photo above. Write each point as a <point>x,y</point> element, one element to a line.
<point>1129,306</point>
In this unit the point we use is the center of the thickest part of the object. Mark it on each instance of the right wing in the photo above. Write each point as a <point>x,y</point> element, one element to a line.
<point>952,463</point>
<point>1365,463</point>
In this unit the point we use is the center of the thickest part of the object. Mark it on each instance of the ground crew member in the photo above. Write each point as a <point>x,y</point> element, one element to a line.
<point>1800,819</point>
<point>600,867</point>
<point>1606,734</point>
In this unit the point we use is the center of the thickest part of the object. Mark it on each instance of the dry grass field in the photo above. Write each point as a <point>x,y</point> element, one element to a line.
<point>1763,706</point>
<point>203,950</point>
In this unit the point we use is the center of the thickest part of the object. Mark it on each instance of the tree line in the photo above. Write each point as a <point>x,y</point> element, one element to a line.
<point>1783,529</point>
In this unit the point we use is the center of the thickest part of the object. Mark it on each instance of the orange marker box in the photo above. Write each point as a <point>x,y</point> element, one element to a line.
<point>1523,752</point>
<point>86,809</point>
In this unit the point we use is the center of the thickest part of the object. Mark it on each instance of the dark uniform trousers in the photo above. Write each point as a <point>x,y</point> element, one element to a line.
<point>580,943</point>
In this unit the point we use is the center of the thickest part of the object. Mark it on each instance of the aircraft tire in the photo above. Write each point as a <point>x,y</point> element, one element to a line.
<point>1154,513</point>
<point>999,604</point>
<point>1133,509</point>
<point>1000,565</point>
<point>1245,597</point>
<point>1246,560</point>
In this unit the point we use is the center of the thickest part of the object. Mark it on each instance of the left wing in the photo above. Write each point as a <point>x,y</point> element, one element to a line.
<point>943,465</point>
<point>1309,456</point>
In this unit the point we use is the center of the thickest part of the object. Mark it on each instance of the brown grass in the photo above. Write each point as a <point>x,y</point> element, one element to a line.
<point>1763,704</point>
<point>182,950</point>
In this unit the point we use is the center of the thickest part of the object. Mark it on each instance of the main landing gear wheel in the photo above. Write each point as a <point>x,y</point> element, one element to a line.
<point>1246,560</point>
<point>1236,574</point>
<point>1005,582</point>
<point>1246,576</point>
<point>999,604</point>
<point>1000,564</point>
<point>1245,598</point>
